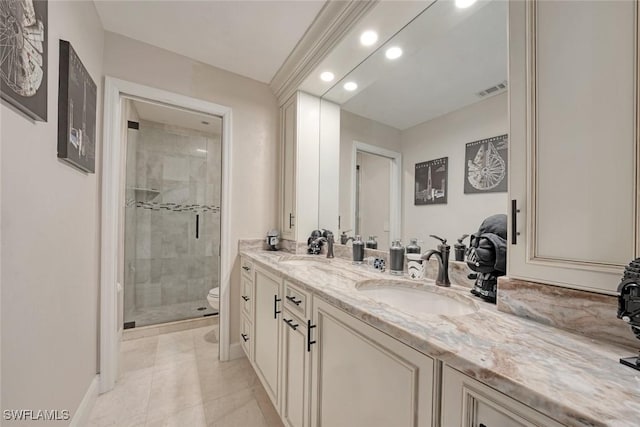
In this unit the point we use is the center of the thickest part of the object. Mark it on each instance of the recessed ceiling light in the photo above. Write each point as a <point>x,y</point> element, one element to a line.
<point>368,38</point>
<point>393,53</point>
<point>350,86</point>
<point>327,76</point>
<point>204,122</point>
<point>463,4</point>
<point>200,150</point>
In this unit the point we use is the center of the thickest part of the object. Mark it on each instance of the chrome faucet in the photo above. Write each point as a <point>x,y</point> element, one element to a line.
<point>443,261</point>
<point>330,241</point>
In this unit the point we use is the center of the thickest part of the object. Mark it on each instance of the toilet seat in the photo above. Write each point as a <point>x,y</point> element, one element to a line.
<point>214,293</point>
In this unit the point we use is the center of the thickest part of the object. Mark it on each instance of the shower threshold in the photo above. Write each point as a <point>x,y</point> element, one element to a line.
<point>169,313</point>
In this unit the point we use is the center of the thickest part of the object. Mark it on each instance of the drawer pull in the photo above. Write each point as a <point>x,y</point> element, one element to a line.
<point>289,322</point>
<point>482,425</point>
<point>245,268</point>
<point>244,337</point>
<point>246,298</point>
<point>293,300</point>
<point>309,328</point>
<point>276,300</point>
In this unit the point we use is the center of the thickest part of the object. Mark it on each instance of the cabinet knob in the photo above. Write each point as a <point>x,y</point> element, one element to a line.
<point>245,268</point>
<point>244,337</point>
<point>246,298</point>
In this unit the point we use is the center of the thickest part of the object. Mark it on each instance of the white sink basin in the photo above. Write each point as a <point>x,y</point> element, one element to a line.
<point>417,301</point>
<point>308,260</point>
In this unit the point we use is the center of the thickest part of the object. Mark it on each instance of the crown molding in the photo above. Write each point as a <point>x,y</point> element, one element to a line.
<point>334,21</point>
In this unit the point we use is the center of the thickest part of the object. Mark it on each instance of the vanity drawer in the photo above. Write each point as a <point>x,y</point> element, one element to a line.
<point>246,336</point>
<point>296,300</point>
<point>246,296</point>
<point>246,266</point>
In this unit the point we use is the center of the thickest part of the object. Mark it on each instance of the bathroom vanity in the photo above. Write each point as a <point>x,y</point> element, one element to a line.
<point>331,350</point>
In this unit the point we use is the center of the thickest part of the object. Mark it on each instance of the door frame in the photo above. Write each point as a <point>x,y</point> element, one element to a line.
<point>113,149</point>
<point>395,185</point>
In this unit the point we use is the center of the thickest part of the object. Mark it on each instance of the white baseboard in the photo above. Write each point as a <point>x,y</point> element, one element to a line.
<point>236,351</point>
<point>82,414</point>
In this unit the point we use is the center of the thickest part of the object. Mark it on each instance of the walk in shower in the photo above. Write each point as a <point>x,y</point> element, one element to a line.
<point>172,214</point>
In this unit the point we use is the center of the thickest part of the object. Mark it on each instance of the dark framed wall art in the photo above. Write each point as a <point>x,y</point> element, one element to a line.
<point>77,99</point>
<point>431,180</point>
<point>486,165</point>
<point>23,56</point>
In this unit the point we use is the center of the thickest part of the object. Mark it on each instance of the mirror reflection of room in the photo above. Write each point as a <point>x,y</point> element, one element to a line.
<point>445,114</point>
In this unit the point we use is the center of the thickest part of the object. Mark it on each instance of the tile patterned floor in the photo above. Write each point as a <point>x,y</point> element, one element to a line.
<point>176,379</point>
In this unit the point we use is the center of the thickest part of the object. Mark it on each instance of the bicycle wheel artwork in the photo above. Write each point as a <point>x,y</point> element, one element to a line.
<point>23,56</point>
<point>486,165</point>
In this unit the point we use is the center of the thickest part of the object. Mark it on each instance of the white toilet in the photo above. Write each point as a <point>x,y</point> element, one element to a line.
<point>214,298</point>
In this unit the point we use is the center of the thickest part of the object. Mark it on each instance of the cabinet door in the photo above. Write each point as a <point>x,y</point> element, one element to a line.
<point>573,89</point>
<point>469,403</point>
<point>362,377</point>
<point>267,331</point>
<point>288,178</point>
<point>295,372</point>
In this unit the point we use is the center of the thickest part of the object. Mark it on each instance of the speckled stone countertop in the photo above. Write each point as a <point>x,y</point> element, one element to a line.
<point>572,379</point>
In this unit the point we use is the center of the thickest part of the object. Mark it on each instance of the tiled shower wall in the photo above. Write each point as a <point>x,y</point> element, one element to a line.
<point>171,265</point>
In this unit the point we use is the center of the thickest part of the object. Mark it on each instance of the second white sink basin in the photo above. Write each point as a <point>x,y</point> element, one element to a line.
<point>417,301</point>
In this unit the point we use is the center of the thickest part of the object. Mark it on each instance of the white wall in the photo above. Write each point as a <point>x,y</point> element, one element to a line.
<point>50,246</point>
<point>446,136</point>
<point>254,166</point>
<point>358,128</point>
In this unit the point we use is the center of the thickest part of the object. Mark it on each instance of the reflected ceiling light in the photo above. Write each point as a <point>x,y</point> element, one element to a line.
<point>200,150</point>
<point>393,53</point>
<point>368,38</point>
<point>350,86</point>
<point>327,76</point>
<point>463,4</point>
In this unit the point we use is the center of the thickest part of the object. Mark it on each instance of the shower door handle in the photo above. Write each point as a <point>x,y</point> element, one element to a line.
<point>197,226</point>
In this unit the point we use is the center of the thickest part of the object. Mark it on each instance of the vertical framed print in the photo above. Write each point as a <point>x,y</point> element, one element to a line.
<point>23,56</point>
<point>431,182</point>
<point>77,100</point>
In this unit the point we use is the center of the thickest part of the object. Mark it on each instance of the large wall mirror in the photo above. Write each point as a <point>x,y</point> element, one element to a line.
<point>423,124</point>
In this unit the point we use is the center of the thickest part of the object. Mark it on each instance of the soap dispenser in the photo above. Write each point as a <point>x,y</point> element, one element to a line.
<point>396,258</point>
<point>460,248</point>
<point>413,248</point>
<point>372,243</point>
<point>358,250</point>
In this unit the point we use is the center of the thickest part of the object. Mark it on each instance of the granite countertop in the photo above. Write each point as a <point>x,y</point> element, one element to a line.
<point>572,379</point>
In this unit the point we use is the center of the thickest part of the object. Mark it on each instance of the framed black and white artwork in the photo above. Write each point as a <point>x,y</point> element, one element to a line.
<point>23,56</point>
<point>77,99</point>
<point>431,180</point>
<point>486,163</point>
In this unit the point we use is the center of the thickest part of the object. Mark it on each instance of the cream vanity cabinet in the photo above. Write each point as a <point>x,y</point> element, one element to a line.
<point>361,377</point>
<point>266,337</point>
<point>300,148</point>
<point>574,141</point>
<point>469,403</point>
<point>296,357</point>
<point>246,306</point>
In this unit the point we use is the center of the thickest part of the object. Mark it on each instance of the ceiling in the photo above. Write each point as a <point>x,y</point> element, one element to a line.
<point>250,38</point>
<point>178,117</point>
<point>449,56</point>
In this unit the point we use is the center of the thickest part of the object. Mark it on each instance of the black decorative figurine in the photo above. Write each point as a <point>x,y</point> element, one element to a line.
<point>629,305</point>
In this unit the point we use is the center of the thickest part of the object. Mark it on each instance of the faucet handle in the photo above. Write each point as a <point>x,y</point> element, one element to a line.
<point>444,241</point>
